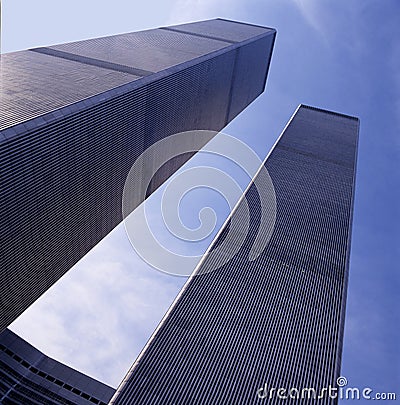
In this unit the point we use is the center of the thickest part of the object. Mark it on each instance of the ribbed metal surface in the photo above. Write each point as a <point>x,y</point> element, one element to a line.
<point>151,50</point>
<point>250,77</point>
<point>276,321</point>
<point>224,29</point>
<point>62,179</point>
<point>33,84</point>
<point>27,376</point>
<point>92,61</point>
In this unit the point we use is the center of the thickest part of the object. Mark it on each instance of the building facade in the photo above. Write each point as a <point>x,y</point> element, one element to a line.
<point>27,376</point>
<point>76,116</point>
<point>238,334</point>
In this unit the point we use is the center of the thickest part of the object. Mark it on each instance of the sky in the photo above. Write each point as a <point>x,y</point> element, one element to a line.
<point>339,55</point>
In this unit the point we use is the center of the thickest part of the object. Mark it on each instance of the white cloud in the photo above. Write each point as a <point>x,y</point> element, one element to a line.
<point>311,11</point>
<point>99,316</point>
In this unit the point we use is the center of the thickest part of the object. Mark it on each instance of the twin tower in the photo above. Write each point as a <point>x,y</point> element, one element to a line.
<point>74,119</point>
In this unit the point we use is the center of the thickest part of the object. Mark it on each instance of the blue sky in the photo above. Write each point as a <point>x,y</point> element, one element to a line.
<point>339,55</point>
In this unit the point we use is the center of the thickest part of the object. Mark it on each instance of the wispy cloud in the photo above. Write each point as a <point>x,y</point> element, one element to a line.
<point>331,21</point>
<point>311,11</point>
<point>99,316</point>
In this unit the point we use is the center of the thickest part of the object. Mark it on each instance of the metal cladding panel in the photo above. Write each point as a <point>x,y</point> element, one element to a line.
<point>151,50</point>
<point>338,148</point>
<point>276,321</point>
<point>62,179</point>
<point>251,68</point>
<point>61,193</point>
<point>34,84</point>
<point>227,30</point>
<point>27,376</point>
<point>162,97</point>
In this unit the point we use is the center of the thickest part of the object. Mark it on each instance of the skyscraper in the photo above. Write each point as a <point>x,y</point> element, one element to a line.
<point>242,332</point>
<point>76,116</point>
<point>27,376</point>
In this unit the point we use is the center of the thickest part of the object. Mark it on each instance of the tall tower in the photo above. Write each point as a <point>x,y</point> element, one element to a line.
<point>75,117</point>
<point>237,332</point>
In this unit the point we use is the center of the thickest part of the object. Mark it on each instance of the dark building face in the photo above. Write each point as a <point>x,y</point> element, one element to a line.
<point>27,376</point>
<point>75,117</point>
<point>277,321</point>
